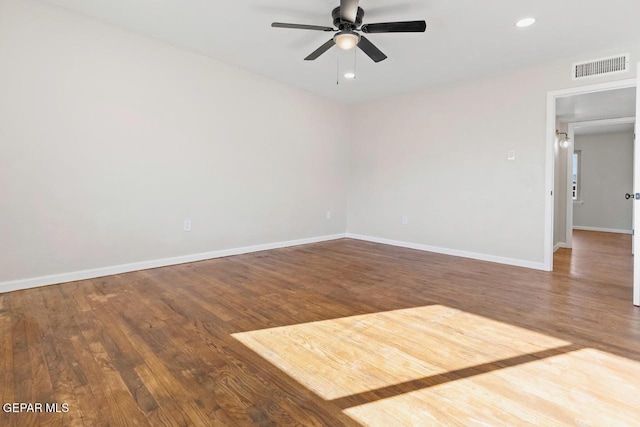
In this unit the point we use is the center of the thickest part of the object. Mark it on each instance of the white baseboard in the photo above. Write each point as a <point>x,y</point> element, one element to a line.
<point>144,265</point>
<point>559,245</point>
<point>603,230</point>
<point>452,252</point>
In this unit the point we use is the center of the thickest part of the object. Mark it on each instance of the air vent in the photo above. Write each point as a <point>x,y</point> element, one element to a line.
<point>598,67</point>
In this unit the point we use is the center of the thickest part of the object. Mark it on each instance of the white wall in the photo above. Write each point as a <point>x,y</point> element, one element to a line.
<point>439,156</point>
<point>109,140</point>
<point>606,175</point>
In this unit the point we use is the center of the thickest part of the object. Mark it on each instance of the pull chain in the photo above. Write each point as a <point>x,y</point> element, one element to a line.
<point>338,70</point>
<point>353,73</point>
<point>355,56</point>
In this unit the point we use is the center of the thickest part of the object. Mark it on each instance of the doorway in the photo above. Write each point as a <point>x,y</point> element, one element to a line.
<point>555,100</point>
<point>598,169</point>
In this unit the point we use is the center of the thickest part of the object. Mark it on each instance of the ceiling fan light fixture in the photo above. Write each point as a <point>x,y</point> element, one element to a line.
<point>347,40</point>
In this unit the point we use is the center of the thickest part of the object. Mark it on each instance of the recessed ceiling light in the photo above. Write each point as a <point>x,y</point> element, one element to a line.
<point>525,22</point>
<point>349,75</point>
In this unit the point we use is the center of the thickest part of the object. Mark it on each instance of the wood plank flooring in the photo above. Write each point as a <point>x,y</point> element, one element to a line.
<point>336,333</point>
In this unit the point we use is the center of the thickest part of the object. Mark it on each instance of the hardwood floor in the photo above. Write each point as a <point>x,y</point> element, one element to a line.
<point>336,333</point>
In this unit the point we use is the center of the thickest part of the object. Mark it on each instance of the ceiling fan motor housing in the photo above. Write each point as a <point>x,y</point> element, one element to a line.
<point>346,25</point>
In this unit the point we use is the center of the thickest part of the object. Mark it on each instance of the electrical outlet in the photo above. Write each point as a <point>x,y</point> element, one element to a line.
<point>511,155</point>
<point>187,224</point>
<point>405,220</point>
<point>328,214</point>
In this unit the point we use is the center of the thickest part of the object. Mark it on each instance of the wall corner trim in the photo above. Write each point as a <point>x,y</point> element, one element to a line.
<point>453,252</point>
<point>35,282</point>
<point>559,245</point>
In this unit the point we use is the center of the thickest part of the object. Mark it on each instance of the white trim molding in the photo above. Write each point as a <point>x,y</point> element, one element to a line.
<point>602,230</point>
<point>35,282</point>
<point>452,252</point>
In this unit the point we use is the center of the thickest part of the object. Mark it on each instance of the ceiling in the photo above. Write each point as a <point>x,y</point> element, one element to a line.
<point>611,104</point>
<point>613,128</point>
<point>463,38</point>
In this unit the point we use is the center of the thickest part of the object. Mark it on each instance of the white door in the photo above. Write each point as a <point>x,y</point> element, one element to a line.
<point>636,210</point>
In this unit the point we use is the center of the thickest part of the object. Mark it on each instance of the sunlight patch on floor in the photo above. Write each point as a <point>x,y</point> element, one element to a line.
<point>351,355</point>
<point>584,388</point>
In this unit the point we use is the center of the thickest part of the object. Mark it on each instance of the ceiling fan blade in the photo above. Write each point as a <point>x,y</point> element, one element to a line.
<point>349,10</point>
<point>319,51</point>
<point>301,26</point>
<point>395,27</point>
<point>371,50</point>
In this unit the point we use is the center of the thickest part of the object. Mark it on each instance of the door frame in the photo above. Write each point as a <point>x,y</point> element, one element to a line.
<point>552,96</point>
<point>636,211</point>
<point>572,126</point>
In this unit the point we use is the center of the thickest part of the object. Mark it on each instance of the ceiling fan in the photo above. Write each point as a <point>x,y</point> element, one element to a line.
<point>348,19</point>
